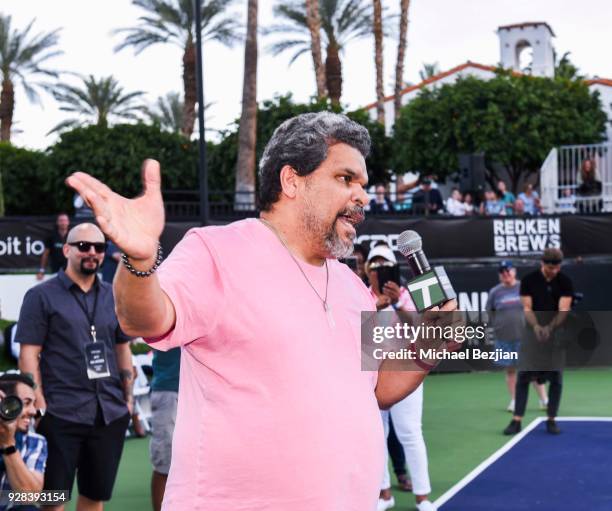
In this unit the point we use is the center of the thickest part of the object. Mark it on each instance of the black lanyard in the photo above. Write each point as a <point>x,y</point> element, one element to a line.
<point>91,318</point>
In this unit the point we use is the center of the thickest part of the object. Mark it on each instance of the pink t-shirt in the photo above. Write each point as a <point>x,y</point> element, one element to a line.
<point>274,412</point>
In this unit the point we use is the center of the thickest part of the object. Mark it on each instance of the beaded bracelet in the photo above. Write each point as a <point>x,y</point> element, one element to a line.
<point>147,273</point>
<point>421,363</point>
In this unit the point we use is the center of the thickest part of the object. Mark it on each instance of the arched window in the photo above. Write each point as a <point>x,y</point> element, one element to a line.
<point>524,56</point>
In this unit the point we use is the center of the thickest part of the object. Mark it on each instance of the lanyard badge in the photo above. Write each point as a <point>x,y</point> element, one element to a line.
<point>96,359</point>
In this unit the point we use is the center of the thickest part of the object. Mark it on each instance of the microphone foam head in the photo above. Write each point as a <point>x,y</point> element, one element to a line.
<point>409,242</point>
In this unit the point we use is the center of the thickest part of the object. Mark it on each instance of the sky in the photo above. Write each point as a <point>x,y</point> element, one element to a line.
<point>448,32</point>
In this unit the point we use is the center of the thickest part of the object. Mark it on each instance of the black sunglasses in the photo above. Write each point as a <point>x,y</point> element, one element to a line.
<point>553,262</point>
<point>85,246</point>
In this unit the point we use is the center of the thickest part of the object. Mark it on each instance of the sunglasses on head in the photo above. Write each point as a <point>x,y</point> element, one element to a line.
<point>85,246</point>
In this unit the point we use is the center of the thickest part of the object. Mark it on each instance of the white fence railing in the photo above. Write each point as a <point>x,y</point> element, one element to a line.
<point>563,186</point>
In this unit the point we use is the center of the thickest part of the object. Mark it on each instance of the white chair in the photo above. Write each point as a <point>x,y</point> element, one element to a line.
<point>142,390</point>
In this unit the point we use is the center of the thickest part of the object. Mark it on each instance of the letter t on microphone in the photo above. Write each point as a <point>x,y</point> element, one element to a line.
<point>430,286</point>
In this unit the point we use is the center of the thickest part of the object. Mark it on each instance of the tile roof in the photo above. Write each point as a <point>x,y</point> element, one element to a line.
<point>435,78</point>
<point>527,24</point>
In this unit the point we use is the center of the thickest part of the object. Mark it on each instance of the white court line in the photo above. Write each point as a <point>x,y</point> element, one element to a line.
<point>592,419</point>
<point>451,492</point>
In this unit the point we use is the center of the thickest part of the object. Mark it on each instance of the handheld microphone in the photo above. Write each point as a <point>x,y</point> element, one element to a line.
<point>429,286</point>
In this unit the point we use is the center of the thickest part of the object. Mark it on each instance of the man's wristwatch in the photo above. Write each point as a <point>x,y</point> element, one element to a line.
<point>11,449</point>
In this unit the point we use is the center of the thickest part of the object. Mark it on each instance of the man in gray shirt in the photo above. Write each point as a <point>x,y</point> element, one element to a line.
<point>507,317</point>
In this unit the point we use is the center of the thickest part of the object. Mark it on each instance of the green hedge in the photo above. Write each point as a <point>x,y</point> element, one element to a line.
<point>25,179</point>
<point>34,180</point>
<point>114,155</point>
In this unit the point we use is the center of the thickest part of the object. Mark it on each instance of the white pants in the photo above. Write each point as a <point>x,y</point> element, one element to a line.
<point>406,416</point>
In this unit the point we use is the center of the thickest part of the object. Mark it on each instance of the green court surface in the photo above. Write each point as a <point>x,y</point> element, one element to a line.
<point>464,415</point>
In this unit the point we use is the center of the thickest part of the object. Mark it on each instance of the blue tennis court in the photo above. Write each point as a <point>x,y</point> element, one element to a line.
<point>536,471</point>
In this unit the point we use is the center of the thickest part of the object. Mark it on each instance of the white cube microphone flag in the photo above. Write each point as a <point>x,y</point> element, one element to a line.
<point>429,286</point>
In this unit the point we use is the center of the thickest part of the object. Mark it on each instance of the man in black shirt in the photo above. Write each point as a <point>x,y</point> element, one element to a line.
<point>82,364</point>
<point>54,247</point>
<point>547,297</point>
<point>427,200</point>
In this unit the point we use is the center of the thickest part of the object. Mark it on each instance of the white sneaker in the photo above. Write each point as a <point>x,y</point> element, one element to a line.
<point>385,504</point>
<point>543,404</point>
<point>511,407</point>
<point>426,506</point>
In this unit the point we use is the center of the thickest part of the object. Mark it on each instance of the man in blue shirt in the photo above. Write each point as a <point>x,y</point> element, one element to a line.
<point>24,453</point>
<point>164,397</point>
<point>81,361</point>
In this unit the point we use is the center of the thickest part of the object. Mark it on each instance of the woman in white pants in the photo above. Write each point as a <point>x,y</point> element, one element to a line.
<point>406,414</point>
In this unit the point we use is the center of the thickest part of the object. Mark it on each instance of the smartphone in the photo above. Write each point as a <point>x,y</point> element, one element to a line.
<point>388,274</point>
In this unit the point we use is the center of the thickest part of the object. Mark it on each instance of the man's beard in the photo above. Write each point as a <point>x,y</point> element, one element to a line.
<point>333,244</point>
<point>89,271</point>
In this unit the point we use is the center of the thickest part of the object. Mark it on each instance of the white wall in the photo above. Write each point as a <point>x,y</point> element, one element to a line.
<point>12,290</point>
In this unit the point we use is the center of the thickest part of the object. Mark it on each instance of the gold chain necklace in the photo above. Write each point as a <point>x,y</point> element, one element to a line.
<point>326,306</point>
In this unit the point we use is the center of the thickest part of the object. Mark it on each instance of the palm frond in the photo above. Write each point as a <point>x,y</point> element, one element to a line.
<point>226,31</point>
<point>23,54</point>
<point>95,100</point>
<point>168,112</point>
<point>64,125</point>
<point>173,21</point>
<point>293,12</point>
<point>281,46</point>
<point>341,21</point>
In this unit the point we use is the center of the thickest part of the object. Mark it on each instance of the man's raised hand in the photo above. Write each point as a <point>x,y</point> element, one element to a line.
<point>134,225</point>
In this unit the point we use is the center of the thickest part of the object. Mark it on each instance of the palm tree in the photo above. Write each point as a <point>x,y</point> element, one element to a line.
<point>247,133</point>
<point>378,60</point>
<point>172,21</point>
<point>429,71</point>
<point>564,69</point>
<point>95,101</point>
<point>401,56</point>
<point>313,19</point>
<point>342,21</point>
<point>21,56</point>
<point>168,112</point>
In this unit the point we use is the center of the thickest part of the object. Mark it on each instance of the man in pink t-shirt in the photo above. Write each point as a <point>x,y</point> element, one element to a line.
<point>274,412</point>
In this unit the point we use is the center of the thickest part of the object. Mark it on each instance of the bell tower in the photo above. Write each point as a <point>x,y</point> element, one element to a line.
<point>517,41</point>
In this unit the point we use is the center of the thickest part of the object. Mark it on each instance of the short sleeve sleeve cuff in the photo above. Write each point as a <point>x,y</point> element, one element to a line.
<point>191,278</point>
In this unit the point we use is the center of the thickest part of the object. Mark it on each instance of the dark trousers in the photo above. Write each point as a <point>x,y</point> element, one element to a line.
<point>396,451</point>
<point>524,378</point>
<point>92,452</point>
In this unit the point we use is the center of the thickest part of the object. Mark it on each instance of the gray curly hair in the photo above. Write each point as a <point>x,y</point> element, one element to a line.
<point>302,142</point>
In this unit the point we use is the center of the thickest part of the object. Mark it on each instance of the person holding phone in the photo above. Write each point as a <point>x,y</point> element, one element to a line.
<point>383,272</point>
